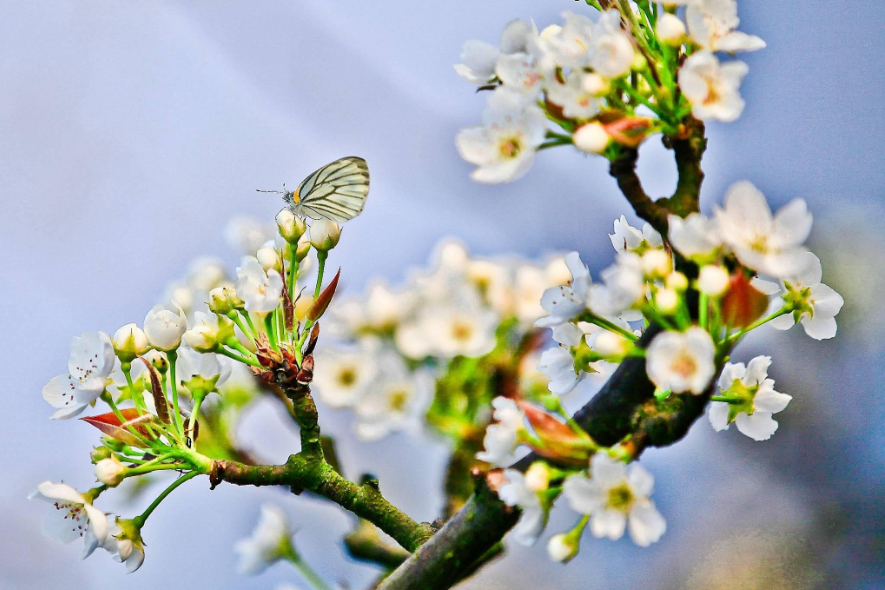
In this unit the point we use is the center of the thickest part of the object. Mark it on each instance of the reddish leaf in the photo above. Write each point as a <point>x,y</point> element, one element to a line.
<point>560,442</point>
<point>743,304</point>
<point>322,302</point>
<point>157,391</point>
<point>288,305</point>
<point>110,425</point>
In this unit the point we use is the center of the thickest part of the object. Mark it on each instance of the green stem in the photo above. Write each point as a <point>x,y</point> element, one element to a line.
<point>307,572</point>
<point>238,358</point>
<point>270,325</point>
<point>729,399</point>
<point>172,355</point>
<point>293,273</point>
<point>738,335</point>
<point>321,258</point>
<point>702,310</point>
<point>610,326</point>
<point>239,322</point>
<point>142,518</point>
<point>249,323</point>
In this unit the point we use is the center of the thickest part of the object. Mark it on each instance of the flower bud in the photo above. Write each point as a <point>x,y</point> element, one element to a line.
<point>667,300</point>
<point>670,29</point>
<point>164,328</point>
<point>562,547</point>
<point>677,281</point>
<point>324,234</point>
<point>130,342</point>
<point>713,280</point>
<point>99,453</point>
<point>594,84</point>
<point>591,138</point>
<point>110,471</point>
<point>609,344</point>
<point>268,258</point>
<point>656,263</point>
<point>202,338</point>
<point>537,477</point>
<point>223,300</point>
<point>290,225</point>
<point>302,248</point>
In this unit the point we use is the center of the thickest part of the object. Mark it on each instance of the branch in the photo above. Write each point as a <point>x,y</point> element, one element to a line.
<point>364,543</point>
<point>302,472</point>
<point>623,169</point>
<point>688,150</point>
<point>452,552</point>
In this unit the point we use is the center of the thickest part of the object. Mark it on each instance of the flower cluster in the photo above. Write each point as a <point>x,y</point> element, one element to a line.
<point>606,84</point>
<point>168,384</point>
<point>395,343</point>
<point>746,267</point>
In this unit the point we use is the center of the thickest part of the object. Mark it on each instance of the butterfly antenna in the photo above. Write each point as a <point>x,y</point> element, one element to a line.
<point>282,192</point>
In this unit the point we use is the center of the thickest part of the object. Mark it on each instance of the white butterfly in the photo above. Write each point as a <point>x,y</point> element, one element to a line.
<point>337,191</point>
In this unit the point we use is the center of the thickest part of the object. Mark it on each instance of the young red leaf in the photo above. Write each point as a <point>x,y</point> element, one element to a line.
<point>322,302</point>
<point>110,425</point>
<point>743,304</point>
<point>560,442</point>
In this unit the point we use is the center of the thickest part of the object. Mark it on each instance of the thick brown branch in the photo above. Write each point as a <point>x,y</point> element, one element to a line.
<point>623,170</point>
<point>452,552</point>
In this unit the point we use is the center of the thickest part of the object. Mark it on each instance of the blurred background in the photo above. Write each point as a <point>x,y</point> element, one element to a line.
<point>131,132</point>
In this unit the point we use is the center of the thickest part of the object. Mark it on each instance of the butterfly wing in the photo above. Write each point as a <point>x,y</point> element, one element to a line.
<point>337,191</point>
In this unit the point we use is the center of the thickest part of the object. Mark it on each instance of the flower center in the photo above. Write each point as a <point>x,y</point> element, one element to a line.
<point>684,365</point>
<point>620,498</point>
<point>347,377</point>
<point>510,147</point>
<point>461,331</point>
<point>398,400</point>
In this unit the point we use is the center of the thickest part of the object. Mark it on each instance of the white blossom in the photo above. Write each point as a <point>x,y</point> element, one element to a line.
<point>571,44</point>
<point>576,101</point>
<point>568,301</point>
<point>72,516</point>
<point>616,498</point>
<point>623,287</point>
<point>260,291</point>
<point>696,237</point>
<point>89,365</point>
<point>770,244</point>
<point>504,147</point>
<point>713,88</point>
<point>814,304</point>
<point>480,58</point>
<point>164,327</point>
<point>515,492</point>
<point>681,361</point>
<point>502,435</point>
<point>712,25</point>
<point>125,543</point>
<point>341,377</point>
<point>396,401</point>
<point>613,52</point>
<point>759,400</point>
<point>270,539</point>
<point>627,238</point>
<point>558,364</point>
<point>209,366</point>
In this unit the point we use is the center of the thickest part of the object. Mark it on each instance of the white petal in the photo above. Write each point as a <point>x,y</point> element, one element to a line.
<point>759,426</point>
<point>583,495</point>
<point>819,328</point>
<point>826,301</point>
<point>792,223</point>
<point>641,480</point>
<point>784,322</point>
<point>718,415</point>
<point>770,401</point>
<point>646,524</point>
<point>736,41</point>
<point>731,373</point>
<point>757,370</point>
<point>767,287</point>
<point>607,471</point>
<point>608,523</point>
<point>98,522</point>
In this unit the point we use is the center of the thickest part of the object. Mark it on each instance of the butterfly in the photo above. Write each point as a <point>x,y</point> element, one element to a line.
<point>336,192</point>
